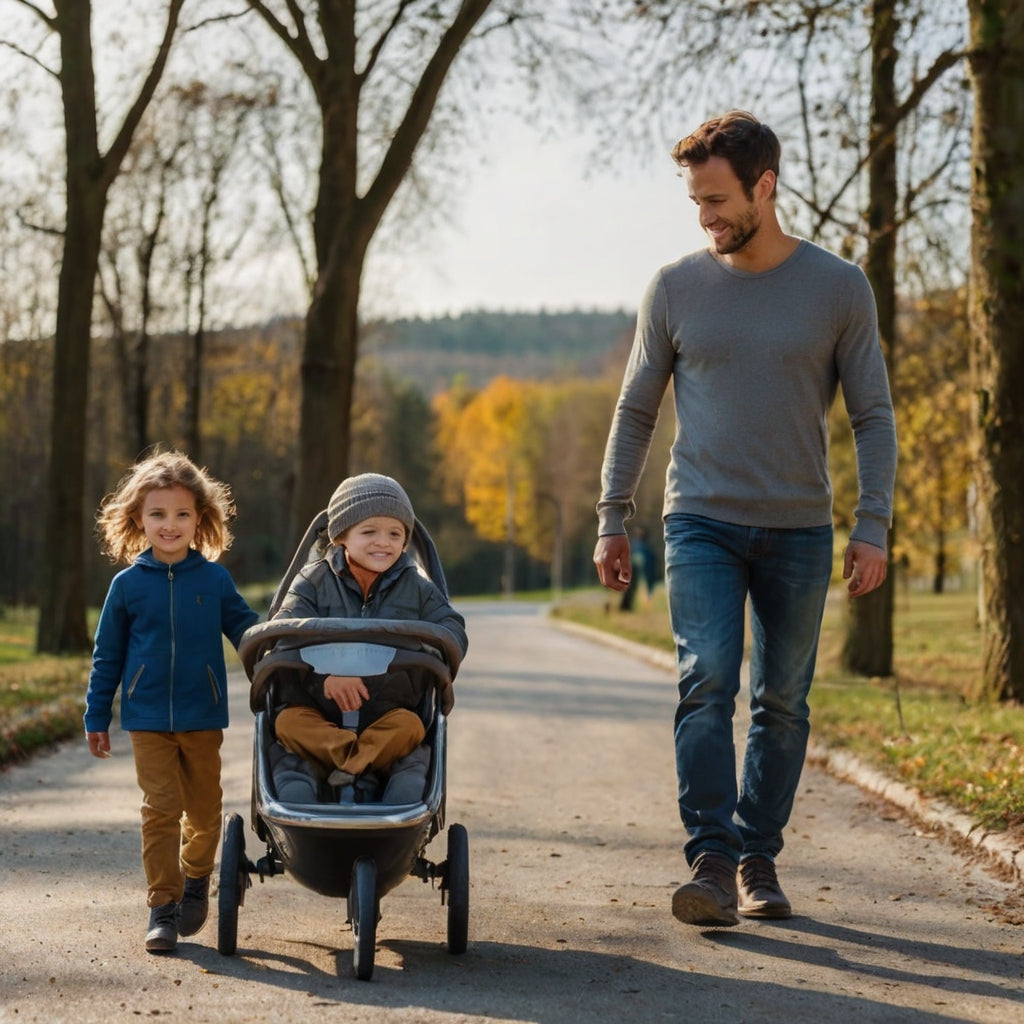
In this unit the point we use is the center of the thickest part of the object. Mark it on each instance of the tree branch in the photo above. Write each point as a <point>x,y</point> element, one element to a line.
<point>49,19</point>
<point>300,43</point>
<point>378,46</point>
<point>30,57</point>
<point>407,135</point>
<point>111,161</point>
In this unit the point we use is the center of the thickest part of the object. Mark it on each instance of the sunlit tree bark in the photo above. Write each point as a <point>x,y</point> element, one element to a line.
<point>997,312</point>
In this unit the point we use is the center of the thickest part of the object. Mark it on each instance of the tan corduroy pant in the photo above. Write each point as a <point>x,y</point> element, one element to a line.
<point>304,731</point>
<point>179,775</point>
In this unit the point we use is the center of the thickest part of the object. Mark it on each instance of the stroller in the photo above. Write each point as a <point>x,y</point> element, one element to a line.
<point>360,851</point>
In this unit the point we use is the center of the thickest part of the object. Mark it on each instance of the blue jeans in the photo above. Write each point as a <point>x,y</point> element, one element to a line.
<point>710,570</point>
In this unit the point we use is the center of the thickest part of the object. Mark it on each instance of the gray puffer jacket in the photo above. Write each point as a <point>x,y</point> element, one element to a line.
<point>326,589</point>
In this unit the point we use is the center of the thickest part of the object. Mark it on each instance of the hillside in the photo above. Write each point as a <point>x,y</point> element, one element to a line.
<point>477,346</point>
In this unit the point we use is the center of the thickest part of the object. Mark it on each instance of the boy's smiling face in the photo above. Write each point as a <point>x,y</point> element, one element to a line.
<point>375,543</point>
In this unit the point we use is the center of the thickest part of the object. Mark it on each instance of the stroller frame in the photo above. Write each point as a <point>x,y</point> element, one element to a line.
<point>356,851</point>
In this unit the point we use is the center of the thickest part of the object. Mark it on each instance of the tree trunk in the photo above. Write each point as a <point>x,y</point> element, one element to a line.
<point>62,625</point>
<point>997,347</point>
<point>344,222</point>
<point>868,646</point>
<point>332,321</point>
<point>328,379</point>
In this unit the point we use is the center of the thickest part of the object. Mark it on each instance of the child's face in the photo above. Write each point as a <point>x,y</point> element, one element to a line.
<point>375,543</point>
<point>168,518</point>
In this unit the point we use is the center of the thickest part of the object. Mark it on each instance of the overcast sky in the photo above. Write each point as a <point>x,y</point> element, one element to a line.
<point>536,231</point>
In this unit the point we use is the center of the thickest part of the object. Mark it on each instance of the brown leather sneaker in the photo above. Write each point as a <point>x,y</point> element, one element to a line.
<point>760,894</point>
<point>710,898</point>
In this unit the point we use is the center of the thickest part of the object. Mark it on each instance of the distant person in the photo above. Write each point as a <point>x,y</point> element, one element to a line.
<point>755,335</point>
<point>643,572</point>
<point>160,640</point>
<point>365,574</point>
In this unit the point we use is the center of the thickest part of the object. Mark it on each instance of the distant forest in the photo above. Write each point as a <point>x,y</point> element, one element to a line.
<point>475,347</point>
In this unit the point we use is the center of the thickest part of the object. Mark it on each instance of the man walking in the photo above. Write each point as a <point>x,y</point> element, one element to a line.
<point>755,333</point>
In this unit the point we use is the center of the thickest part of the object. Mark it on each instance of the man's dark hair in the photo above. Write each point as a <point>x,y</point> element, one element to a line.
<point>750,147</point>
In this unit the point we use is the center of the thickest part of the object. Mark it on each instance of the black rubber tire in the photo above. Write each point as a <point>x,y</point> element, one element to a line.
<point>362,914</point>
<point>457,882</point>
<point>234,869</point>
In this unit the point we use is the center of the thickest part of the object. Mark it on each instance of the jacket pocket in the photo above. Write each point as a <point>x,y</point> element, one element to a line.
<point>214,686</point>
<point>135,680</point>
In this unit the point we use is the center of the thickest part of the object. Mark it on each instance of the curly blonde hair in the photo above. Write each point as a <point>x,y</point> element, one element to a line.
<point>117,522</point>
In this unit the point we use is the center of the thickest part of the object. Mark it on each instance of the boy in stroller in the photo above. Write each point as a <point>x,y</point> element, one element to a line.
<point>365,573</point>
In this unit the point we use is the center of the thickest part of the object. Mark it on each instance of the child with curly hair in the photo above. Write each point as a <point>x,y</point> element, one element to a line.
<point>159,639</point>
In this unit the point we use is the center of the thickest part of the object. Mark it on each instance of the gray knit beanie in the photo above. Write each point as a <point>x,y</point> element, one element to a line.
<point>366,495</point>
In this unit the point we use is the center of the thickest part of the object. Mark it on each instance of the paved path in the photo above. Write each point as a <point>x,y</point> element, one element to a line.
<point>561,769</point>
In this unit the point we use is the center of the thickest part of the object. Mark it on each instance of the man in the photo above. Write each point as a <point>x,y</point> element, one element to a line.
<point>755,333</point>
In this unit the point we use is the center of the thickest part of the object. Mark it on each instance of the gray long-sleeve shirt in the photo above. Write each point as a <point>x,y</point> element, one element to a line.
<point>755,360</point>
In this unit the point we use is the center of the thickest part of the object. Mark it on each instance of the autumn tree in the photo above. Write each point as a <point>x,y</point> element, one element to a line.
<point>933,421</point>
<point>997,312</point>
<point>89,172</point>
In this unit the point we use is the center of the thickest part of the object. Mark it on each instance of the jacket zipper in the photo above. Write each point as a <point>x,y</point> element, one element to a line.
<point>170,690</point>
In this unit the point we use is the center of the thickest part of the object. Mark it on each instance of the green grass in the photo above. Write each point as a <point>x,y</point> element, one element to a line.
<point>41,698</point>
<point>920,726</point>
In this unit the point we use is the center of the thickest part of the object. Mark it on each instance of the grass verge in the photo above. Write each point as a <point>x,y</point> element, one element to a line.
<point>41,697</point>
<point>920,726</point>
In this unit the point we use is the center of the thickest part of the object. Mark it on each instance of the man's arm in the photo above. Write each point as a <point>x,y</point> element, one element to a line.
<point>865,384</point>
<point>636,414</point>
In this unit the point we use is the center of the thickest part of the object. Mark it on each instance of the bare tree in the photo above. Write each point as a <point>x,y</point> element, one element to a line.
<point>89,174</point>
<point>997,311</point>
<point>134,229</point>
<point>377,74</point>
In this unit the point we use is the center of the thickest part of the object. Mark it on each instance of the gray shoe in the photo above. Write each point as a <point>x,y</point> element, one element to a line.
<point>710,898</point>
<point>760,894</point>
<point>194,905</point>
<point>162,936</point>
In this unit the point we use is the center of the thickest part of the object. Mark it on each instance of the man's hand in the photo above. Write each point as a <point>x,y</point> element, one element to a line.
<point>611,556</point>
<point>348,692</point>
<point>865,566</point>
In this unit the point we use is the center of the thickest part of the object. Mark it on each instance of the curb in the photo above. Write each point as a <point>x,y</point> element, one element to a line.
<point>929,811</point>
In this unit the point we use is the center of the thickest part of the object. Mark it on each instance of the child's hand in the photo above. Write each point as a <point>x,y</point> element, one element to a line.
<point>348,692</point>
<point>99,743</point>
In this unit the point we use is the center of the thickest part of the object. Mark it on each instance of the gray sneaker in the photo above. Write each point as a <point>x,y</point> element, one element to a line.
<point>760,894</point>
<point>710,898</point>
<point>194,905</point>
<point>162,936</point>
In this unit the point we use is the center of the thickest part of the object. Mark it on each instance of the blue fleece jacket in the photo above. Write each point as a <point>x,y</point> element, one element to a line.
<point>159,639</point>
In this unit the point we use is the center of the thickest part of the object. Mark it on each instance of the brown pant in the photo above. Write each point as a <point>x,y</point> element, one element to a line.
<point>179,775</point>
<point>304,731</point>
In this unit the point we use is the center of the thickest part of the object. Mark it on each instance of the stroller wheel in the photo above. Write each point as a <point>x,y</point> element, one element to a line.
<point>457,887</point>
<point>362,914</point>
<point>234,878</point>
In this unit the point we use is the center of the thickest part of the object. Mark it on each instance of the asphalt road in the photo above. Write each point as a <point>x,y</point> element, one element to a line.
<point>560,766</point>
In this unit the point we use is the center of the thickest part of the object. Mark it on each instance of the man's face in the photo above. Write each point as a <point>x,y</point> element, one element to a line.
<point>728,216</point>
